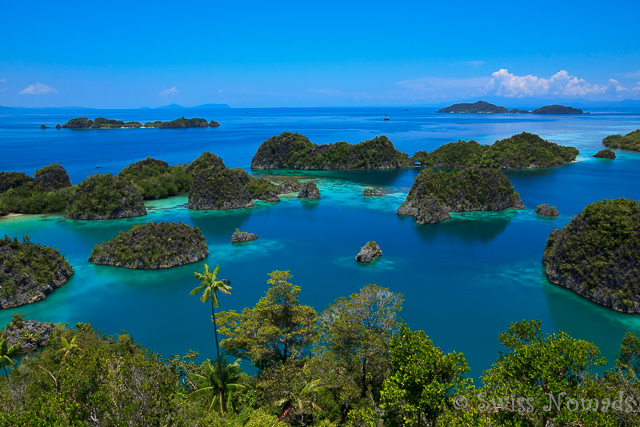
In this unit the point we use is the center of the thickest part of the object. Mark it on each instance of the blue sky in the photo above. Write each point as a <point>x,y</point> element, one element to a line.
<point>311,53</point>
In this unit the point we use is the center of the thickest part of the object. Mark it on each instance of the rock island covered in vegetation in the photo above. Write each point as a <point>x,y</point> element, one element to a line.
<point>597,254</point>
<point>476,107</point>
<point>435,194</point>
<point>28,272</point>
<point>156,179</point>
<point>294,151</point>
<point>369,252</point>
<point>48,192</point>
<point>152,246</point>
<point>105,197</point>
<point>242,236</point>
<point>220,190</point>
<point>630,141</point>
<point>557,109</point>
<point>607,153</point>
<point>546,210</point>
<point>102,123</point>
<point>521,151</point>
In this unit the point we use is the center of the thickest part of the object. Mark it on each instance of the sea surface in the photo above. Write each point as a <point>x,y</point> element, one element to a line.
<point>464,280</point>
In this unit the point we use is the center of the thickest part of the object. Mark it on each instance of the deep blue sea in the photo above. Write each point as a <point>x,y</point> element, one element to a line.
<point>464,280</point>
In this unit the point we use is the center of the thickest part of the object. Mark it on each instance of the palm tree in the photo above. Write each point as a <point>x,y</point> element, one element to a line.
<point>300,401</point>
<point>210,383</point>
<point>68,346</point>
<point>209,285</point>
<point>6,351</point>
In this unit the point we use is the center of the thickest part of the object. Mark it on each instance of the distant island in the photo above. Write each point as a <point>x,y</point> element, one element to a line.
<point>597,254</point>
<point>28,272</point>
<point>482,107</point>
<point>152,246</point>
<point>180,107</point>
<point>630,141</point>
<point>521,151</point>
<point>435,194</point>
<point>295,151</point>
<point>102,123</point>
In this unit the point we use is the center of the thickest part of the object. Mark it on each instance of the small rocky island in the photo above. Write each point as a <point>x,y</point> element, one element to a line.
<point>546,210</point>
<point>294,151</point>
<point>242,236</point>
<point>105,197</point>
<point>152,246</point>
<point>435,194</point>
<point>309,190</point>
<point>372,192</point>
<point>521,151</point>
<point>630,141</point>
<point>369,252</point>
<point>29,272</point>
<point>28,335</point>
<point>288,186</point>
<point>597,254</point>
<point>607,153</point>
<point>224,189</point>
<point>52,177</point>
<point>45,127</point>
<point>261,189</point>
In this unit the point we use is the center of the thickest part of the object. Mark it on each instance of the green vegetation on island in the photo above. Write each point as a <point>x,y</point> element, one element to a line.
<point>48,192</point>
<point>294,151</point>
<point>220,189</point>
<point>261,189</point>
<point>28,272</point>
<point>521,151</point>
<point>105,197</point>
<point>102,123</point>
<point>152,246</point>
<point>355,364</point>
<point>435,194</point>
<point>630,141</point>
<point>156,179</point>
<point>556,109</point>
<point>607,153</point>
<point>546,210</point>
<point>476,107</point>
<point>597,254</point>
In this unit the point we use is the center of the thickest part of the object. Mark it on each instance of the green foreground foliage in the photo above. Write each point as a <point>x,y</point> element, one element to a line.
<point>354,365</point>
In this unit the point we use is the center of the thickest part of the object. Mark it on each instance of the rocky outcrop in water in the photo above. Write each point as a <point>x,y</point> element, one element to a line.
<point>407,210</point>
<point>546,210</point>
<point>152,246</point>
<point>29,272</point>
<point>30,335</point>
<point>288,186</point>
<point>214,124</point>
<point>372,192</point>
<point>309,190</point>
<point>45,127</point>
<point>242,236</point>
<point>607,153</point>
<point>58,126</point>
<point>105,197</point>
<point>220,190</point>
<point>295,151</point>
<point>369,252</point>
<point>597,254</point>
<point>52,177</point>
<point>434,194</point>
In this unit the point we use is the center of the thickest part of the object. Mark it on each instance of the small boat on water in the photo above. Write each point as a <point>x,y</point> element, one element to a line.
<point>98,167</point>
<point>386,118</point>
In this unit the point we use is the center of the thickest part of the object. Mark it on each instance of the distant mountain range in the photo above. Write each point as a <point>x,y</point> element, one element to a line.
<point>180,107</point>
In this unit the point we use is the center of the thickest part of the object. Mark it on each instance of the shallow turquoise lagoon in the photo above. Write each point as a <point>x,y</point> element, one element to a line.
<point>464,280</point>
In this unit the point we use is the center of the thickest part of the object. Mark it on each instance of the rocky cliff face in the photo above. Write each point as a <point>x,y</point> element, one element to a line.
<point>261,189</point>
<point>372,192</point>
<point>105,197</point>
<point>29,272</point>
<point>309,190</point>
<point>288,186</point>
<point>597,254</point>
<point>31,335</point>
<point>52,177</point>
<point>369,252</point>
<point>152,246</point>
<point>222,189</point>
<point>434,194</point>
<point>295,151</point>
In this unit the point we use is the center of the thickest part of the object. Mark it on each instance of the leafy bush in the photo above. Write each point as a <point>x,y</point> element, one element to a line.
<point>156,179</point>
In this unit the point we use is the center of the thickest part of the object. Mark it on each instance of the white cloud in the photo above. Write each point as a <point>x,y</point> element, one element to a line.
<point>37,89</point>
<point>636,89</point>
<point>635,75</point>
<point>167,92</point>
<point>562,83</point>
<point>3,80</point>
<point>617,85</point>
<point>220,91</point>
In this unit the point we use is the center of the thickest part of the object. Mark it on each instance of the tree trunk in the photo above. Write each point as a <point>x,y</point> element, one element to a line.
<point>363,393</point>
<point>215,332</point>
<point>6,375</point>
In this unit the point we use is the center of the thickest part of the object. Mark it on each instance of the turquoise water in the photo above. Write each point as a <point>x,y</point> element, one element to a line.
<point>464,280</point>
